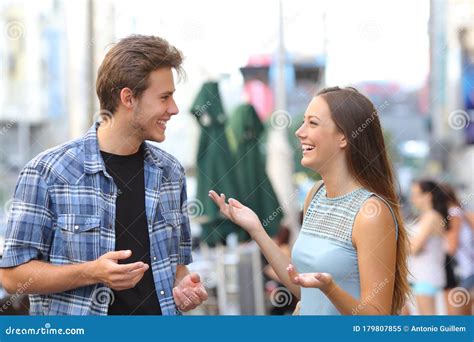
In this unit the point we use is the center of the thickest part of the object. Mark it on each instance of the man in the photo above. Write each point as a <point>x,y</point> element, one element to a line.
<point>99,225</point>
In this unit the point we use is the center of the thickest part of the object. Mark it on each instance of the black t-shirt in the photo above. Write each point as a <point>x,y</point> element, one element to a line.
<point>131,232</point>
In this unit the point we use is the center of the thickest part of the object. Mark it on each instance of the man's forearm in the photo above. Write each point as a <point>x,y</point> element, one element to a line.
<point>181,272</point>
<point>37,277</point>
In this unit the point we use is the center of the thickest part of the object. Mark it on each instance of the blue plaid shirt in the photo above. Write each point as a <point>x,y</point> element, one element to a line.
<point>63,213</point>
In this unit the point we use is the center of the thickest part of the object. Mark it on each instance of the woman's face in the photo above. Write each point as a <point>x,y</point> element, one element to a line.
<point>321,141</point>
<point>419,199</point>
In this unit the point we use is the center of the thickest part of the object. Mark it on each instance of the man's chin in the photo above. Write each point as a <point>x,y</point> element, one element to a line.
<point>158,138</point>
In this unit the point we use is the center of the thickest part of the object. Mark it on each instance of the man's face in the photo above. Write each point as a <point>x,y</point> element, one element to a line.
<point>156,105</point>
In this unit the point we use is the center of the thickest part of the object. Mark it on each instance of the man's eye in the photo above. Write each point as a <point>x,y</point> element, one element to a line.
<point>313,123</point>
<point>165,98</point>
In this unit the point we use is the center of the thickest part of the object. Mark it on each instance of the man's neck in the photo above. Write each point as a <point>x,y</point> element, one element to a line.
<point>115,139</point>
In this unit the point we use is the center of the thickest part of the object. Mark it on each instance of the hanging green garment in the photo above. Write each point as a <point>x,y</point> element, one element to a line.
<point>215,164</point>
<point>245,131</point>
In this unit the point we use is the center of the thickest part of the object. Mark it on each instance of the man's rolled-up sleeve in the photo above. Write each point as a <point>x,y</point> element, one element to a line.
<point>29,226</point>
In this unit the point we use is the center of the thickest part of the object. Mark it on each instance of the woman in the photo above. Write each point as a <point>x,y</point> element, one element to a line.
<point>460,244</point>
<point>352,245</point>
<point>427,261</point>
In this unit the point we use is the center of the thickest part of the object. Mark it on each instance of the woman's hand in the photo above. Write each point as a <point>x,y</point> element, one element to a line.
<point>322,281</point>
<point>237,212</point>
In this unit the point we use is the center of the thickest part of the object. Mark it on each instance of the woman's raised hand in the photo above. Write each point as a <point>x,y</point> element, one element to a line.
<point>237,212</point>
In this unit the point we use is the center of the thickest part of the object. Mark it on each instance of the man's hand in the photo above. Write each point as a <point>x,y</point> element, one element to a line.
<point>189,293</point>
<point>117,276</point>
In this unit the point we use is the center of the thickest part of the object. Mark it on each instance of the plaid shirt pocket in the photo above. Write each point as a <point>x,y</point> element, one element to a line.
<point>77,238</point>
<point>169,231</point>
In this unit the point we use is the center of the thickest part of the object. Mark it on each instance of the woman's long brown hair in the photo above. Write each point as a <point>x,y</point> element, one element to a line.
<point>357,118</point>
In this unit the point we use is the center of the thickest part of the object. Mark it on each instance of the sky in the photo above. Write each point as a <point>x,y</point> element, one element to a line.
<point>364,39</point>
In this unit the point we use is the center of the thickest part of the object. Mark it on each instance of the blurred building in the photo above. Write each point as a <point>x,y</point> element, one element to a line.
<point>32,85</point>
<point>452,91</point>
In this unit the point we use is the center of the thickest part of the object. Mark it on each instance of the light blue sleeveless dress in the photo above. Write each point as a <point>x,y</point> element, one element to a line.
<point>325,245</point>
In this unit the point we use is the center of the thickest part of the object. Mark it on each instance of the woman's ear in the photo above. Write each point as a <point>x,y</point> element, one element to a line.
<point>428,196</point>
<point>342,141</point>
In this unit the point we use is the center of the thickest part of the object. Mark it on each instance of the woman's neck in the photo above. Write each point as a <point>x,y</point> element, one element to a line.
<point>427,211</point>
<point>338,180</point>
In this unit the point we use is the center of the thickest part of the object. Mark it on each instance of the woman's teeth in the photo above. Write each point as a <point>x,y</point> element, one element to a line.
<point>162,122</point>
<point>307,147</point>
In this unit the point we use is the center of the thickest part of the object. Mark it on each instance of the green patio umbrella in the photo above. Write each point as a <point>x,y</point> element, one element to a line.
<point>245,131</point>
<point>215,164</point>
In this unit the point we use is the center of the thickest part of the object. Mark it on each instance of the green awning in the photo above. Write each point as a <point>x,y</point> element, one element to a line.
<point>245,131</point>
<point>215,163</point>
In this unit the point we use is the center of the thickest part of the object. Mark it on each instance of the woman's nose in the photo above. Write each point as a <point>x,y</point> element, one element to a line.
<point>300,132</point>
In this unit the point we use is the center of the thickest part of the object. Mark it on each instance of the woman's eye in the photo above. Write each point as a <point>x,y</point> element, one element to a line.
<point>313,123</point>
<point>164,98</point>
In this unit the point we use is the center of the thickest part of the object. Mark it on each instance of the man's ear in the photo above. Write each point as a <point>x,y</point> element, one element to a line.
<point>126,98</point>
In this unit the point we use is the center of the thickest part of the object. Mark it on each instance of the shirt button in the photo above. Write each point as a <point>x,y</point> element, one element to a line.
<point>154,258</point>
<point>76,227</point>
<point>162,292</point>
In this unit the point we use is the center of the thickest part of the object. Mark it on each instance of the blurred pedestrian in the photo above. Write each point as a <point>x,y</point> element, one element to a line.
<point>460,244</point>
<point>427,261</point>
